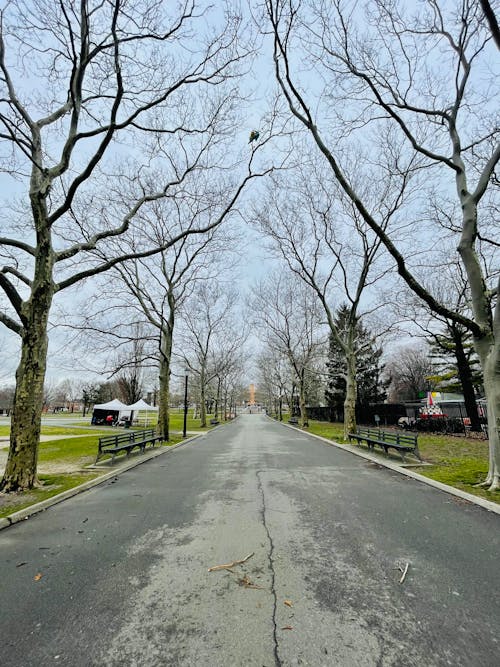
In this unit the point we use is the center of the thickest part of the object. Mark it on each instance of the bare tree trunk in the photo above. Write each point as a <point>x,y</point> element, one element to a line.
<point>164,375</point>
<point>487,345</point>
<point>164,391</point>
<point>203,406</point>
<point>20,471</point>
<point>304,422</point>
<point>350,396</point>
<point>491,375</point>
<point>217,400</point>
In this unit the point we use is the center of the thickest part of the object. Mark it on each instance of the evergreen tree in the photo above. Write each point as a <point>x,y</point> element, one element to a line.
<point>371,388</point>
<point>457,367</point>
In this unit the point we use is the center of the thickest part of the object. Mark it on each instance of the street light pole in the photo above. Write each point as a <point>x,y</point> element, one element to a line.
<point>186,375</point>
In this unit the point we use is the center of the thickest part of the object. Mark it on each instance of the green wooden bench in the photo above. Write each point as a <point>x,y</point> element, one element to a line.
<point>126,442</point>
<point>402,442</point>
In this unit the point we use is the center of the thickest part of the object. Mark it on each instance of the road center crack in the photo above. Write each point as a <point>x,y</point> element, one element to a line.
<point>270,555</point>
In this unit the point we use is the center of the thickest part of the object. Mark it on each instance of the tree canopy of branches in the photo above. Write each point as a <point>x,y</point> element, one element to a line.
<point>212,340</point>
<point>410,369</point>
<point>324,242</point>
<point>83,85</point>
<point>421,79</point>
<point>287,316</point>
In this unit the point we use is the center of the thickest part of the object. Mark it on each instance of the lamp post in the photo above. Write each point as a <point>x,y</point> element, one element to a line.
<point>186,376</point>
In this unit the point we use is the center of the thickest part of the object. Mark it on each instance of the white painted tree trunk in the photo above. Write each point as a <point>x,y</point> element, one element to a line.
<point>487,343</point>
<point>491,379</point>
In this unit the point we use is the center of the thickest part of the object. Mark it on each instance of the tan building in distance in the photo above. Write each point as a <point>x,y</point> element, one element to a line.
<point>252,395</point>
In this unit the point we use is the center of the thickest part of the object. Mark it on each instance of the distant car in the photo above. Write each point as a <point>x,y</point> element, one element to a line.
<point>406,422</point>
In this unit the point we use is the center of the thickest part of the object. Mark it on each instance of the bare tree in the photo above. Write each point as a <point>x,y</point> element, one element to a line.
<point>160,285</point>
<point>6,398</point>
<point>424,79</point>
<point>101,76</point>
<point>68,393</point>
<point>129,365</point>
<point>410,369</point>
<point>326,243</point>
<point>275,378</point>
<point>287,315</point>
<point>211,337</point>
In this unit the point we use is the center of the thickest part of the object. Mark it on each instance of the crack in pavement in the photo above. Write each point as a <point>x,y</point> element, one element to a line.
<point>277,660</point>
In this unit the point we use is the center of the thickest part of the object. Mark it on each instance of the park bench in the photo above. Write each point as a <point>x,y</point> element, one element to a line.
<point>294,421</point>
<point>126,442</point>
<point>214,422</point>
<point>403,442</point>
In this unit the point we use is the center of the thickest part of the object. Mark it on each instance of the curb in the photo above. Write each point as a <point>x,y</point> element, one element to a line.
<point>27,512</point>
<point>476,500</point>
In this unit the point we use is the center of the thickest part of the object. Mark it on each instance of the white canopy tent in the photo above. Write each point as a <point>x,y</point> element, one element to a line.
<point>143,406</point>
<point>115,404</point>
<point>120,411</point>
<point>115,408</point>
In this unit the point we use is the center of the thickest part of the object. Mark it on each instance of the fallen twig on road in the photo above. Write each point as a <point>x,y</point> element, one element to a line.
<point>228,566</point>
<point>247,583</point>
<point>404,572</point>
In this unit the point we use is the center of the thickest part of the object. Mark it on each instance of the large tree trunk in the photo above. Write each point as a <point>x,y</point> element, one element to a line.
<point>164,393</point>
<point>20,471</point>
<point>491,373</point>
<point>350,396</point>
<point>164,376</point>
<point>487,345</point>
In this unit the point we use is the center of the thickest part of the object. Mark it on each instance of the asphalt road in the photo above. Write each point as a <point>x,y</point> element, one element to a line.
<point>124,567</point>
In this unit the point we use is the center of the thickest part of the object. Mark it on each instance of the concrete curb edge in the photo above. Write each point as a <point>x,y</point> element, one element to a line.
<point>27,512</point>
<point>482,502</point>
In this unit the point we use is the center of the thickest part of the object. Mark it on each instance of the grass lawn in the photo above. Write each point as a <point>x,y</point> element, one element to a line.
<point>457,461</point>
<point>79,451</point>
<point>75,451</point>
<point>177,421</point>
<point>51,486</point>
<point>57,430</point>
